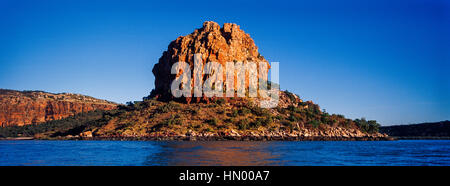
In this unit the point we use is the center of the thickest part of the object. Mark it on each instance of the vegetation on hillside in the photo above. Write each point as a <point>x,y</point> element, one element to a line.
<point>144,118</point>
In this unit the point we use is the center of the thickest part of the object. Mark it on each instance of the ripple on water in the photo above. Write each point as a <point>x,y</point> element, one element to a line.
<point>403,152</point>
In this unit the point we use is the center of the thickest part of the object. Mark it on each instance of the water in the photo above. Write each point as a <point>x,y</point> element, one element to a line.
<point>403,152</point>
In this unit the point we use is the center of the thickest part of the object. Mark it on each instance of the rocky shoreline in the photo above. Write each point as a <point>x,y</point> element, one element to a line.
<point>239,138</point>
<point>233,136</point>
<point>214,138</point>
<point>332,134</point>
<point>226,136</point>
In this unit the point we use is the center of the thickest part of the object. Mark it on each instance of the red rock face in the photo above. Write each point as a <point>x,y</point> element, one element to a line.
<point>216,44</point>
<point>31,107</point>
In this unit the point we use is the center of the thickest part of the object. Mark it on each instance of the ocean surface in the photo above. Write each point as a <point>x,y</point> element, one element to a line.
<point>137,153</point>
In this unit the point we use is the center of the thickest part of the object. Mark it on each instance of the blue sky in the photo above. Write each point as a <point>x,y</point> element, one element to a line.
<point>383,60</point>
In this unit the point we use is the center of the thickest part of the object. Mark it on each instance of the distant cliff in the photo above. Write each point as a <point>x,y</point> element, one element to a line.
<point>18,108</point>
<point>436,129</point>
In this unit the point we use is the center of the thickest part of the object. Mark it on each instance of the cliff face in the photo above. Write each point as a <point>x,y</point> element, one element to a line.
<point>215,44</point>
<point>19,108</point>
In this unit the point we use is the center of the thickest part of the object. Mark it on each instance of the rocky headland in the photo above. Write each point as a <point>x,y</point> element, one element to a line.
<point>160,116</point>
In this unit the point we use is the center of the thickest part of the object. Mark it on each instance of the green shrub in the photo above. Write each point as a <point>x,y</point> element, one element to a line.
<point>173,120</point>
<point>291,96</point>
<point>220,101</point>
<point>341,116</point>
<point>194,111</point>
<point>293,109</point>
<point>259,111</point>
<point>326,119</point>
<point>243,124</point>
<point>208,129</point>
<point>292,118</point>
<point>314,123</point>
<point>171,106</point>
<point>213,122</point>
<point>289,124</point>
<point>279,117</point>
<point>374,127</point>
<point>370,126</point>
<point>244,111</point>
<point>234,113</point>
<point>266,121</point>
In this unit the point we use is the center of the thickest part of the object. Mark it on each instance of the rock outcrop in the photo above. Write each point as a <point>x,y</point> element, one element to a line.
<point>18,108</point>
<point>165,118</point>
<point>215,44</point>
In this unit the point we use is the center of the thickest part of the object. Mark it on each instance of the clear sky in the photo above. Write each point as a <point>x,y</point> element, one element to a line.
<point>386,60</point>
